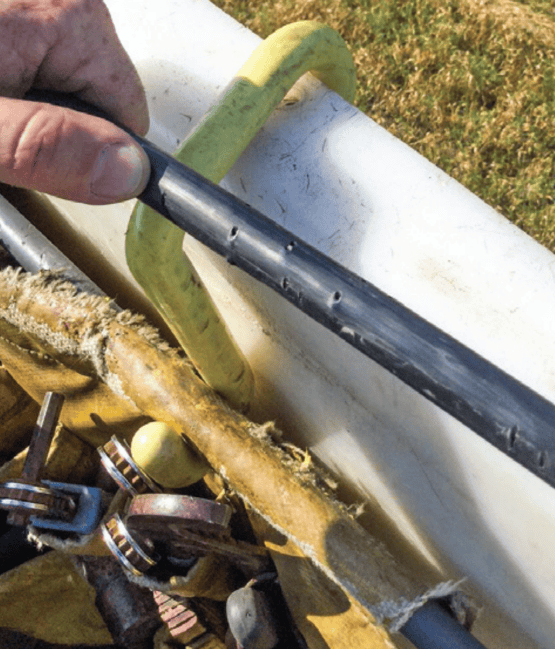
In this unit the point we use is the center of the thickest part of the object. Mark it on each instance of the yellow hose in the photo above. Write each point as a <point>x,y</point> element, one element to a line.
<point>154,246</point>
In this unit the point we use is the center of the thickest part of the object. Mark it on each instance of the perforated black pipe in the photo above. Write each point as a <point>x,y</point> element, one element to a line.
<point>506,413</point>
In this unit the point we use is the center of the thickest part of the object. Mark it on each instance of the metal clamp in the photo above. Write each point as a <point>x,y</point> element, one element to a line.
<point>133,551</point>
<point>178,529</point>
<point>28,495</point>
<point>193,526</point>
<point>46,504</point>
<point>89,508</point>
<point>116,458</point>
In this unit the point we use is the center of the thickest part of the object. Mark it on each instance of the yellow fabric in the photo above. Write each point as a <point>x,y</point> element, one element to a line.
<point>47,599</point>
<point>18,413</point>
<point>113,368</point>
<point>70,459</point>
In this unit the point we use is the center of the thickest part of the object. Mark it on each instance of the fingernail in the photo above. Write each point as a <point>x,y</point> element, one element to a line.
<point>120,172</point>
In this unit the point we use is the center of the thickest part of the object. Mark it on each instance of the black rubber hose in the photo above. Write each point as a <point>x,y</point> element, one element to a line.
<point>503,411</point>
<point>432,627</point>
<point>506,413</point>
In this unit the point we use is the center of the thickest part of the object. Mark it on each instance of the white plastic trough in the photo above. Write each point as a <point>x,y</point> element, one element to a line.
<point>335,178</point>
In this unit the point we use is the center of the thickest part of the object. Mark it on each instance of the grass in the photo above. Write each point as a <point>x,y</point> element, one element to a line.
<point>470,84</point>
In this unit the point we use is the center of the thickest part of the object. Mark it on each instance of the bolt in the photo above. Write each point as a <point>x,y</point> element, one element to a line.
<point>37,453</point>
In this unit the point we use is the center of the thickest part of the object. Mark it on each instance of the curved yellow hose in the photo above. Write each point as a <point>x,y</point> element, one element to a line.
<point>154,245</point>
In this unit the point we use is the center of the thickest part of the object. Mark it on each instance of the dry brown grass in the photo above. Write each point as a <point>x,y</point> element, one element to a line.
<point>470,84</point>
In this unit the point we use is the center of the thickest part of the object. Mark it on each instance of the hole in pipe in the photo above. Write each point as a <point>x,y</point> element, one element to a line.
<point>513,433</point>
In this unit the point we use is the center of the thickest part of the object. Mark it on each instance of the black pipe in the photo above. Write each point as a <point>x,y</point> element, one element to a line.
<point>500,409</point>
<point>432,627</point>
<point>503,411</point>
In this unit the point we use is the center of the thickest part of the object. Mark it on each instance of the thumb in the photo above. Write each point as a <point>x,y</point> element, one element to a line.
<point>68,154</point>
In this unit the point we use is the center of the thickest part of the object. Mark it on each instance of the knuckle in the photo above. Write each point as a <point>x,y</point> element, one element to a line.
<point>35,146</point>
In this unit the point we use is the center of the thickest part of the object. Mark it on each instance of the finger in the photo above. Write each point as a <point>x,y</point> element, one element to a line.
<point>70,46</point>
<point>88,59</point>
<point>68,154</point>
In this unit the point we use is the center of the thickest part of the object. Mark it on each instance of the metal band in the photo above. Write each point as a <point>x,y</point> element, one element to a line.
<point>125,452</point>
<point>23,486</point>
<point>133,543</point>
<point>116,447</point>
<point>12,503</point>
<point>34,498</point>
<point>110,540</point>
<point>114,472</point>
<point>113,547</point>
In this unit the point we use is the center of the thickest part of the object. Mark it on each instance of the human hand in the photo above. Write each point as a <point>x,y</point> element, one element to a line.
<point>70,46</point>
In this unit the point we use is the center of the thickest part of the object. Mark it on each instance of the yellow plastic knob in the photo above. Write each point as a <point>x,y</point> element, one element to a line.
<point>165,457</point>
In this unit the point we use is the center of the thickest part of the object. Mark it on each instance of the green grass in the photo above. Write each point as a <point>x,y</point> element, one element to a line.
<point>468,84</point>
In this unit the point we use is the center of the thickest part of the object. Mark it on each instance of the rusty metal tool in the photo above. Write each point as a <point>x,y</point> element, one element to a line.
<point>29,496</point>
<point>177,529</point>
<point>157,511</point>
<point>249,557</point>
<point>193,526</point>
<point>128,610</point>
<point>182,622</point>
<point>134,545</point>
<point>89,508</point>
<point>138,555</point>
<point>55,506</point>
<point>188,620</point>
<point>135,552</point>
<point>116,458</point>
<point>43,434</point>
